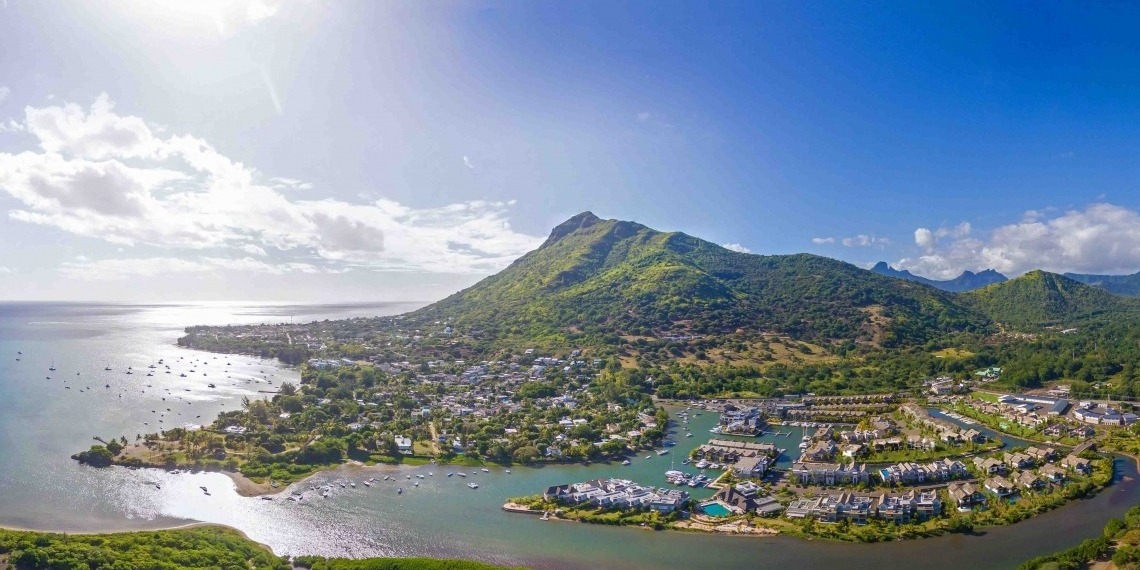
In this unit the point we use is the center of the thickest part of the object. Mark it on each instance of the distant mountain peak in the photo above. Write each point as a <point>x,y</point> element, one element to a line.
<point>967,281</point>
<point>575,223</point>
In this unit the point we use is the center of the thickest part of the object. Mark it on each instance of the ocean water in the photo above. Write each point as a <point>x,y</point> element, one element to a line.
<point>43,421</point>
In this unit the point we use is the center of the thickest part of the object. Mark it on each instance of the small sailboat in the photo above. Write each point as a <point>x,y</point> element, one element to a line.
<point>52,367</point>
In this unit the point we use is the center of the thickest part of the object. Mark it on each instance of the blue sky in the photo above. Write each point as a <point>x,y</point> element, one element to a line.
<point>260,149</point>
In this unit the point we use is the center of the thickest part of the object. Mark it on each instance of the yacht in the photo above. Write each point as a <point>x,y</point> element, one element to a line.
<point>368,483</point>
<point>485,470</point>
<point>473,485</point>
<point>508,471</point>
<point>461,474</point>
<point>662,451</point>
<point>626,462</point>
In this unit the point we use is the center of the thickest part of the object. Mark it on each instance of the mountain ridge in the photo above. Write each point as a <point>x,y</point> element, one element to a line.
<point>967,281</point>
<point>612,277</point>
<point>1127,285</point>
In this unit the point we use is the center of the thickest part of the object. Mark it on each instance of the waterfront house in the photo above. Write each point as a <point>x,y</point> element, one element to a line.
<point>1053,473</point>
<point>989,465</point>
<point>974,436</point>
<point>802,508</point>
<point>751,466</point>
<point>836,507</point>
<point>1078,464</point>
<point>1028,480</point>
<point>820,451</point>
<point>403,444</point>
<point>999,486</point>
<point>1041,454</point>
<point>813,473</point>
<point>965,495</point>
<point>1017,460</point>
<point>618,494</point>
<point>746,497</point>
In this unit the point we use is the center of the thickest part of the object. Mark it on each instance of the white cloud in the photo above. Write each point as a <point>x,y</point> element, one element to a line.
<point>118,269</point>
<point>4,92</point>
<point>108,176</point>
<point>254,249</point>
<point>864,240</point>
<point>822,240</point>
<point>467,162</point>
<point>736,247</point>
<point>924,238</point>
<point>6,270</point>
<point>257,11</point>
<point>1102,238</point>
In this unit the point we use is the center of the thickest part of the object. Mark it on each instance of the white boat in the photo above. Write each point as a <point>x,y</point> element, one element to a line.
<point>450,474</point>
<point>663,452</point>
<point>473,485</point>
<point>702,464</point>
<point>626,462</point>
<point>485,470</point>
<point>508,471</point>
<point>368,483</point>
<point>461,474</point>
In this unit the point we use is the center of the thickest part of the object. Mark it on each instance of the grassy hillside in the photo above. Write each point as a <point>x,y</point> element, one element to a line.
<point>201,547</point>
<point>1039,298</point>
<point>594,279</point>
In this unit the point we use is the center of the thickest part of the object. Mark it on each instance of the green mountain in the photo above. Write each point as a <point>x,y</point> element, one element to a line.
<point>1039,298</point>
<point>595,278</point>
<point>1120,284</point>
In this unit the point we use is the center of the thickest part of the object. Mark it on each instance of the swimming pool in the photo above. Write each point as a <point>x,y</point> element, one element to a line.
<point>715,510</point>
